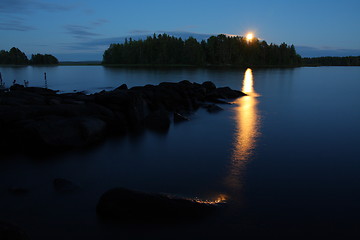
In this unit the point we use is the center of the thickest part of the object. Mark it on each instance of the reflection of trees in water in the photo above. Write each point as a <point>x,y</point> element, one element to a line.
<point>247,130</point>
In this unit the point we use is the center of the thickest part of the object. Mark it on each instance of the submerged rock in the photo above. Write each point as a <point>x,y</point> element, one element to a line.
<point>125,205</point>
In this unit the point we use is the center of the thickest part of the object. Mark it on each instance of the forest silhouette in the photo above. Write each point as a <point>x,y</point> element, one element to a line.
<point>218,50</point>
<point>221,50</point>
<point>16,57</point>
<point>332,61</point>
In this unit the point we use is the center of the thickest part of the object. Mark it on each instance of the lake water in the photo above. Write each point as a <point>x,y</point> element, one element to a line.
<point>286,157</point>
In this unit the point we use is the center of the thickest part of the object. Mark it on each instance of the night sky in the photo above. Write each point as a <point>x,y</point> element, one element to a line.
<point>83,29</point>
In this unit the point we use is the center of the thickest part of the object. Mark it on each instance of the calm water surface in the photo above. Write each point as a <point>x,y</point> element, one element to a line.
<point>286,157</point>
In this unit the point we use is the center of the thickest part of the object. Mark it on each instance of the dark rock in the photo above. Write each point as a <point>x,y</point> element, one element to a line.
<point>62,132</point>
<point>17,191</point>
<point>113,100</point>
<point>136,110</point>
<point>125,205</point>
<point>212,108</point>
<point>21,98</point>
<point>172,97</point>
<point>92,129</point>
<point>16,87</point>
<point>122,87</point>
<point>35,90</point>
<point>209,85</point>
<point>11,232</point>
<point>228,93</point>
<point>179,118</point>
<point>39,118</point>
<point>62,185</point>
<point>40,91</point>
<point>54,101</point>
<point>158,120</point>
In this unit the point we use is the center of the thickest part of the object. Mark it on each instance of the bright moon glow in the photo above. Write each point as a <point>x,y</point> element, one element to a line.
<point>248,82</point>
<point>249,36</point>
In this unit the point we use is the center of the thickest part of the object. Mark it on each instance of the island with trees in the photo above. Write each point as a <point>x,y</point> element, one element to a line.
<point>16,57</point>
<point>221,50</point>
<point>167,50</point>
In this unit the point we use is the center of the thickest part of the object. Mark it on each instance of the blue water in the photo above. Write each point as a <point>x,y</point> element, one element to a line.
<point>286,156</point>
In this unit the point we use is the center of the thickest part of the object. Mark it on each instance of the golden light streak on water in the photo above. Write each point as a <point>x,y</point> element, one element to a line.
<point>247,130</point>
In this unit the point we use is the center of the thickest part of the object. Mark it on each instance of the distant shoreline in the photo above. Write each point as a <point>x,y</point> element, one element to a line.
<point>81,63</point>
<point>94,63</point>
<point>98,63</point>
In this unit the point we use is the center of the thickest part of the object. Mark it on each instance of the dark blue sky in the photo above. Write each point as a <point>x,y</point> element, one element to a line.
<point>83,29</point>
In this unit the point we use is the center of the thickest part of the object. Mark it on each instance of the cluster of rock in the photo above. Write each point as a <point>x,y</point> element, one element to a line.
<point>36,118</point>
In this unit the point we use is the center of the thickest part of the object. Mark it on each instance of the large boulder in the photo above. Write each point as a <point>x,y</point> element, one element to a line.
<point>125,205</point>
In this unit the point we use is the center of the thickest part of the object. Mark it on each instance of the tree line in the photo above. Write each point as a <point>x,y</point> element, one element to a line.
<point>219,50</point>
<point>331,61</point>
<point>16,57</point>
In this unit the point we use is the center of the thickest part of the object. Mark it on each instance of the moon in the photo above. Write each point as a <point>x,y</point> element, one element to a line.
<point>249,36</point>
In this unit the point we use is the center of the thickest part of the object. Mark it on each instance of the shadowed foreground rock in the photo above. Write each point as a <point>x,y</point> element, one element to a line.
<point>129,206</point>
<point>11,232</point>
<point>41,119</point>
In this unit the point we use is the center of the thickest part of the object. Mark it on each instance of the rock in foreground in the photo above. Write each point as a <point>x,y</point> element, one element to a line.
<point>40,119</point>
<point>129,206</point>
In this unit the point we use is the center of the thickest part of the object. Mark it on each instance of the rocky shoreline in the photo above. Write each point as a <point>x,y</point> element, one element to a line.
<point>42,120</point>
<point>39,119</point>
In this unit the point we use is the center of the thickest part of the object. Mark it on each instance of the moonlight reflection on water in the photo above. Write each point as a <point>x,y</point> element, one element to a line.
<point>247,130</point>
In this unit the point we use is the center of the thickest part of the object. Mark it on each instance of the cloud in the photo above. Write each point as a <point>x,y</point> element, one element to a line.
<point>143,34</point>
<point>80,32</point>
<point>99,22</point>
<point>307,51</point>
<point>15,24</point>
<point>100,44</point>
<point>90,46</point>
<point>24,6</point>
<point>185,34</point>
<point>137,32</point>
<point>105,42</point>
<point>10,10</point>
